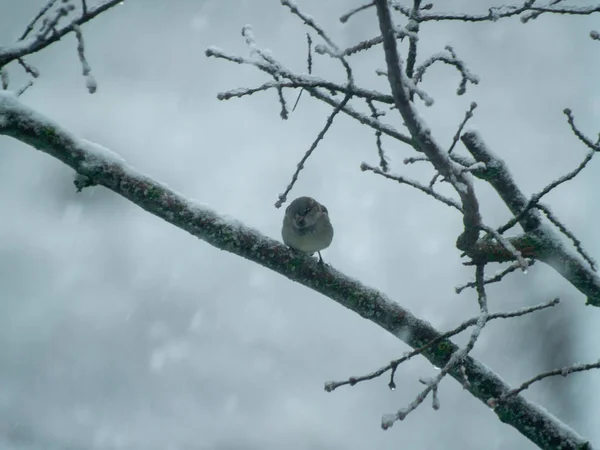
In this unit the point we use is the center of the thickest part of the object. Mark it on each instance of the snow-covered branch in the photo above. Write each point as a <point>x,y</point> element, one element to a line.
<point>100,166</point>
<point>460,180</point>
<point>330,386</point>
<point>540,241</point>
<point>50,33</point>
<point>528,10</point>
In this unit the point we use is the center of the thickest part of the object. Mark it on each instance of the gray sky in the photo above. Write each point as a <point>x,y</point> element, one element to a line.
<point>121,331</point>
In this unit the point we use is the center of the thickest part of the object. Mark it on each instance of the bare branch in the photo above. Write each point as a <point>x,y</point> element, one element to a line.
<point>399,32</point>
<point>330,386</point>
<point>412,89</point>
<point>307,82</point>
<point>425,142</point>
<point>541,242</point>
<point>569,234</point>
<point>300,81</point>
<point>22,90</point>
<point>496,278</point>
<point>535,198</point>
<point>402,180</point>
<point>565,371</point>
<point>4,78</point>
<point>498,175</point>
<point>456,137</point>
<point>455,360</point>
<point>470,167</point>
<point>413,26</point>
<point>90,82</point>
<point>283,196</point>
<point>28,68</point>
<point>452,60</point>
<point>587,141</point>
<point>508,246</point>
<point>347,16</point>
<point>250,41</point>
<point>375,114</point>
<point>336,52</point>
<point>35,44</point>
<point>502,12</point>
<point>37,17</point>
<point>309,63</point>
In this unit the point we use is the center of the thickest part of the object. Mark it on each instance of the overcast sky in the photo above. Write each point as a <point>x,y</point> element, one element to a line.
<point>118,330</point>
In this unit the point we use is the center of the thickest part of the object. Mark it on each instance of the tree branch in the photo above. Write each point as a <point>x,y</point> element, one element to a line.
<point>101,166</point>
<point>460,181</point>
<point>36,43</point>
<point>540,241</point>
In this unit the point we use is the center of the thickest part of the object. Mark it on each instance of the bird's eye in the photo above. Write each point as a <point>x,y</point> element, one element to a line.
<point>307,210</point>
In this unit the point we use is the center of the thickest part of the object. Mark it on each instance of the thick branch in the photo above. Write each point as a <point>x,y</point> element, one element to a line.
<point>103,167</point>
<point>540,242</point>
<point>498,175</point>
<point>459,180</point>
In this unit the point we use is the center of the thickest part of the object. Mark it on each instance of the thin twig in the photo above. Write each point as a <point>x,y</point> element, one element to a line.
<point>507,245</point>
<point>588,142</point>
<point>452,60</point>
<point>456,137</point>
<point>321,32</point>
<point>564,230</point>
<point>533,202</point>
<point>565,371</point>
<point>283,196</point>
<point>309,66</point>
<point>333,385</point>
<point>347,16</point>
<point>4,78</point>
<point>90,82</point>
<point>456,358</point>
<point>24,88</point>
<point>37,17</point>
<point>496,278</point>
<point>402,180</point>
<point>375,114</point>
<point>28,68</point>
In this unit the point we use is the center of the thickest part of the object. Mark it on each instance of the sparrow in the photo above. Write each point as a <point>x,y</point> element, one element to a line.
<point>306,226</point>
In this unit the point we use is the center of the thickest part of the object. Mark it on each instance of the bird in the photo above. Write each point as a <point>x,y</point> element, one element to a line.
<point>306,226</point>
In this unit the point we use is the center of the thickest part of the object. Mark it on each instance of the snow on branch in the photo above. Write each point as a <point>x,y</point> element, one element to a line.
<point>49,32</point>
<point>48,21</point>
<point>496,278</point>
<point>330,386</point>
<point>540,241</point>
<point>344,18</point>
<point>451,59</point>
<point>403,180</point>
<point>460,180</point>
<point>102,167</point>
<point>565,371</point>
<point>454,362</point>
<point>528,10</point>
<point>282,198</point>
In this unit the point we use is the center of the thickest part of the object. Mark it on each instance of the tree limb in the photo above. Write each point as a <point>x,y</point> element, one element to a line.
<point>540,241</point>
<point>459,180</point>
